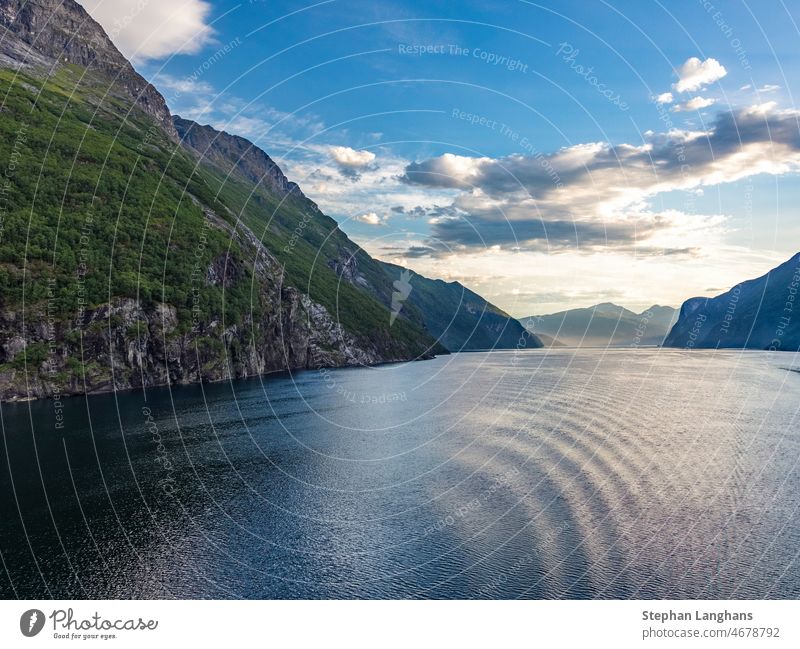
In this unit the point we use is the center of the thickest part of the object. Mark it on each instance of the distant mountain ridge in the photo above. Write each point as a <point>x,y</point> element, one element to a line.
<point>761,313</point>
<point>603,325</point>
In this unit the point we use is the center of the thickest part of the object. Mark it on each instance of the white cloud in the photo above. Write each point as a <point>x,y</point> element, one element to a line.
<point>377,186</point>
<point>347,157</point>
<point>153,29</point>
<point>171,86</point>
<point>370,218</point>
<point>664,98</point>
<point>453,170</point>
<point>695,74</point>
<point>696,103</point>
<point>350,162</point>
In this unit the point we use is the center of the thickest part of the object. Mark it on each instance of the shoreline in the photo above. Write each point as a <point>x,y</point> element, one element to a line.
<point>289,370</point>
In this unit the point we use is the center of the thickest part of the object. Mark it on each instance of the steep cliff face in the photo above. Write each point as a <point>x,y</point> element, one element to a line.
<point>761,313</point>
<point>49,33</point>
<point>123,345</point>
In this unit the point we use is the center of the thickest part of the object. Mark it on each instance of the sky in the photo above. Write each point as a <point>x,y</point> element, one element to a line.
<point>549,155</point>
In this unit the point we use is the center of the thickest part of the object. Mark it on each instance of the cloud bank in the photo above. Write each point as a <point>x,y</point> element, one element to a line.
<point>153,29</point>
<point>596,194</point>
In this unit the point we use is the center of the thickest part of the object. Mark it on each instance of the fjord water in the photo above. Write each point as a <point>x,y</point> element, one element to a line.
<point>538,474</point>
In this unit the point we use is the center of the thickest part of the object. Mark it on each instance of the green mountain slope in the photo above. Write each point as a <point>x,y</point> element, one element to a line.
<point>317,256</point>
<point>459,318</point>
<point>137,248</point>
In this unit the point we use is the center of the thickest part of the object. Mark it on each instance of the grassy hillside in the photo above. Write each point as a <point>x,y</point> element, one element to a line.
<point>94,204</point>
<point>460,318</point>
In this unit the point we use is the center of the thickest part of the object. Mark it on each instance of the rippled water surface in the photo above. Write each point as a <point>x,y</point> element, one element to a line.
<point>541,474</point>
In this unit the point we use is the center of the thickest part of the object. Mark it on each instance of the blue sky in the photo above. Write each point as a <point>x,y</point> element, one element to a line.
<point>549,155</point>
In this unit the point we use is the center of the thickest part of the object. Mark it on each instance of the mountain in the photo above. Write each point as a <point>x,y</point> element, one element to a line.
<point>603,325</point>
<point>138,248</point>
<point>761,313</point>
<point>459,318</point>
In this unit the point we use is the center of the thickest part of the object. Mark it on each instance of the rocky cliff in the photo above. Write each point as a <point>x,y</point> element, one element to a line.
<point>761,313</point>
<point>122,344</point>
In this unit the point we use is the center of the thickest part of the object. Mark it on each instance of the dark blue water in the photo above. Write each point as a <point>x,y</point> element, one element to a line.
<point>543,474</point>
